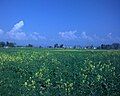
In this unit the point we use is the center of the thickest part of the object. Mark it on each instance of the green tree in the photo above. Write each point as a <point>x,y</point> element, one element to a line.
<point>10,44</point>
<point>56,46</point>
<point>2,44</point>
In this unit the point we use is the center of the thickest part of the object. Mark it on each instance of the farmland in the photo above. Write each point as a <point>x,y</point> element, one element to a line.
<point>59,72</point>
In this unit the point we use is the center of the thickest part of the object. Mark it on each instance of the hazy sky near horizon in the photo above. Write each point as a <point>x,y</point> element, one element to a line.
<point>71,22</point>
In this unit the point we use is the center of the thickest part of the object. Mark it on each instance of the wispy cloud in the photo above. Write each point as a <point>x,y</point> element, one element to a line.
<point>109,35</point>
<point>1,32</point>
<point>83,35</point>
<point>73,35</point>
<point>2,35</point>
<point>68,35</point>
<point>36,36</point>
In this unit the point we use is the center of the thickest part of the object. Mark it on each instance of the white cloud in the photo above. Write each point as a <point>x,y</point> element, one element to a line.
<point>68,35</point>
<point>17,26</point>
<point>96,37</point>
<point>73,35</point>
<point>36,36</point>
<point>1,32</point>
<point>85,36</point>
<point>112,38</point>
<point>106,38</point>
<point>16,34</point>
<point>93,38</point>
<point>109,35</point>
<point>118,39</point>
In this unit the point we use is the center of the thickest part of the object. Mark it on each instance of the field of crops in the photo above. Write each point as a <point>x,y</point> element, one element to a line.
<point>56,72</point>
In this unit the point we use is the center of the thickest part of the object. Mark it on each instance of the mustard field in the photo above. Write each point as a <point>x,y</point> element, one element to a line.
<point>59,72</point>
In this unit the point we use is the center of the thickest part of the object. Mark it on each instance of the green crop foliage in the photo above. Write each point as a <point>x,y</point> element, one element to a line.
<point>59,72</point>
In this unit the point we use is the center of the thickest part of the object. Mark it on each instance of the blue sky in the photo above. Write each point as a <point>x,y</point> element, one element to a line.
<point>71,22</point>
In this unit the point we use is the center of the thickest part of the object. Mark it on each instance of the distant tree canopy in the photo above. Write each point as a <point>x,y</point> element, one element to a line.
<point>29,45</point>
<point>112,46</point>
<point>61,46</point>
<point>2,44</point>
<point>7,44</point>
<point>40,46</point>
<point>49,47</point>
<point>76,47</point>
<point>56,46</point>
<point>90,47</point>
<point>115,46</point>
<point>10,44</point>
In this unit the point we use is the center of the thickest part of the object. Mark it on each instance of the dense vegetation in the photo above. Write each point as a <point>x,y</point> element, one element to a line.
<point>114,46</point>
<point>59,72</point>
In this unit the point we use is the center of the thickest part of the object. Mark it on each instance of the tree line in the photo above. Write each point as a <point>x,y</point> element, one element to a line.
<point>102,46</point>
<point>109,46</point>
<point>7,44</point>
<point>11,44</point>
